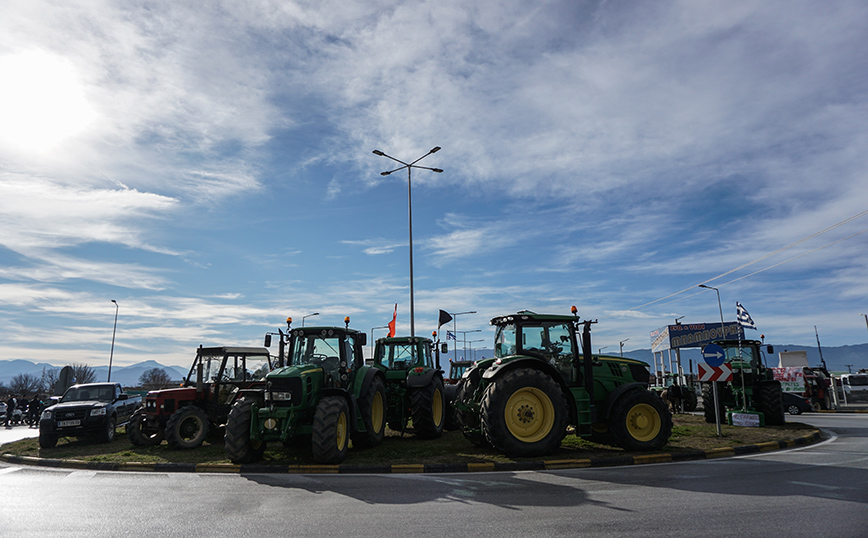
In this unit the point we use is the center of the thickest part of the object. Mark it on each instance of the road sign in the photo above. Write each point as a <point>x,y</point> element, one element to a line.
<point>714,373</point>
<point>713,354</point>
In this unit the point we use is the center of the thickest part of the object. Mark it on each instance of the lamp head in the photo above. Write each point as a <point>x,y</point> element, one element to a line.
<point>378,152</point>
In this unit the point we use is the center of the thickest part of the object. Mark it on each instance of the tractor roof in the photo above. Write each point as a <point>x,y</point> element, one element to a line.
<point>527,315</point>
<point>403,339</point>
<point>232,350</point>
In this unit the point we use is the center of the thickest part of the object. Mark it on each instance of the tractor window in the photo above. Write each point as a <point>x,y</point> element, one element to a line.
<point>210,367</point>
<point>504,341</point>
<point>349,346</point>
<point>247,368</point>
<point>400,356</point>
<point>553,344</point>
<point>318,350</point>
<point>427,361</point>
<point>732,354</point>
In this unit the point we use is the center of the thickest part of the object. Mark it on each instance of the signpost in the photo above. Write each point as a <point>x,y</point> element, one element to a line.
<point>714,370</point>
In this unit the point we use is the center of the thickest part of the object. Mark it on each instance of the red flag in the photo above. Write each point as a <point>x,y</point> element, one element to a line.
<point>392,323</point>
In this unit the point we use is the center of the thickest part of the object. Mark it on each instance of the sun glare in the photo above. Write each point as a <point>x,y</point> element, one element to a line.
<point>41,101</point>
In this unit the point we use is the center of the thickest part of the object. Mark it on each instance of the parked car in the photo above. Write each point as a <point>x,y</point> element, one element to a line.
<point>795,404</point>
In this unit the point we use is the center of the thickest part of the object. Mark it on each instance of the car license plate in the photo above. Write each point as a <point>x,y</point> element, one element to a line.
<point>66,423</point>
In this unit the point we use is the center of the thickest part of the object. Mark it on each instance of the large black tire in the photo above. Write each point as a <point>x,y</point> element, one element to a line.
<point>239,448</point>
<point>524,413</point>
<point>450,422</point>
<point>187,428</point>
<point>689,400</point>
<point>468,421</point>
<point>769,402</point>
<point>331,425</point>
<point>372,406</point>
<point>108,434</point>
<point>138,436</point>
<point>723,393</point>
<point>47,440</point>
<point>640,421</point>
<point>428,408</point>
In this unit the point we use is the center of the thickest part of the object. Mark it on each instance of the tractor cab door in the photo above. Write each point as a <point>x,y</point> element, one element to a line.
<point>554,343</point>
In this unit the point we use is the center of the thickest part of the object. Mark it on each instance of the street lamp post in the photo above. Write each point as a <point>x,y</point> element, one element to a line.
<point>714,383</point>
<point>307,316</point>
<point>621,344</point>
<point>112,353</point>
<point>455,332</point>
<point>600,350</point>
<point>472,358</point>
<point>409,167</point>
<point>464,339</point>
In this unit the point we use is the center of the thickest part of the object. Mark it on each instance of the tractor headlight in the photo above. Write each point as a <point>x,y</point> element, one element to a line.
<point>281,396</point>
<point>96,412</point>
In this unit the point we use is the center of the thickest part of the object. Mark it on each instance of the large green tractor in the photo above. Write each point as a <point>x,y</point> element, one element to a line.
<point>753,387</point>
<point>538,383</point>
<point>414,385</point>
<point>321,393</point>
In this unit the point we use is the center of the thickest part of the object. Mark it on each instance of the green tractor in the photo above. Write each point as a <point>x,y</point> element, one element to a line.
<point>414,385</point>
<point>522,400</point>
<point>753,387</point>
<point>321,393</point>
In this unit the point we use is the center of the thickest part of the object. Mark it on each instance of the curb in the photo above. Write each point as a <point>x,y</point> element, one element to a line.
<point>410,468</point>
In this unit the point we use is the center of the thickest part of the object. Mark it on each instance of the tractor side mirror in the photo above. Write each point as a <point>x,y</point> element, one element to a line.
<point>363,339</point>
<point>770,349</point>
<point>444,348</point>
<point>267,340</point>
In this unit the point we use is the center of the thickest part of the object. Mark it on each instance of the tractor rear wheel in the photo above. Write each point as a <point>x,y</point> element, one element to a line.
<point>449,392</point>
<point>372,406</point>
<point>187,428</point>
<point>688,400</point>
<point>640,421</point>
<point>724,394</point>
<point>331,428</point>
<point>524,413</point>
<point>468,421</point>
<point>237,443</point>
<point>428,409</point>
<point>138,436</point>
<point>769,402</point>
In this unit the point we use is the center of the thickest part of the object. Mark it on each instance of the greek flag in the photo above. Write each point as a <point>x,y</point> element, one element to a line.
<point>449,335</point>
<point>743,317</point>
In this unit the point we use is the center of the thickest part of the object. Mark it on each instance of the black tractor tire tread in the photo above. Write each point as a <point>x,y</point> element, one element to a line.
<point>769,402</point>
<point>176,421</point>
<point>236,438</point>
<point>723,394</point>
<point>494,402</point>
<point>423,411</point>
<point>469,422</point>
<point>324,442</point>
<point>137,436</point>
<point>373,434</point>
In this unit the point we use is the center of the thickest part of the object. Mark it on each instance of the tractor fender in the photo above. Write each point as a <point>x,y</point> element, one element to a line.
<point>417,381</point>
<point>603,410</point>
<point>496,370</point>
<point>369,378</point>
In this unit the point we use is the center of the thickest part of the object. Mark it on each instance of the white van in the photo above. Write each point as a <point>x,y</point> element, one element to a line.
<point>855,386</point>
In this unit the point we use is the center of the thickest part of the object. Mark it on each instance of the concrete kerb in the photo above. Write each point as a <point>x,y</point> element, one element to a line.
<point>409,468</point>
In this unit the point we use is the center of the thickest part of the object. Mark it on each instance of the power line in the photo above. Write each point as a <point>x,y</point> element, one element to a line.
<point>761,258</point>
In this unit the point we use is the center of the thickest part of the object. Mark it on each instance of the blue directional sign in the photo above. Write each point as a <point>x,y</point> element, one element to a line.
<point>713,355</point>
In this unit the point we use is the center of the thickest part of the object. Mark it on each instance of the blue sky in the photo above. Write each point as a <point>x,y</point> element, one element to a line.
<point>210,168</point>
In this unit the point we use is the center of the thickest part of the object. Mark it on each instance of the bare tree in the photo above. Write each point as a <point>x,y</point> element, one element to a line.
<point>155,378</point>
<point>50,378</point>
<point>25,384</point>
<point>83,373</point>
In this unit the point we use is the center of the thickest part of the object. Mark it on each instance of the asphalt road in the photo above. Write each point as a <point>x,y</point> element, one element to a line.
<point>821,490</point>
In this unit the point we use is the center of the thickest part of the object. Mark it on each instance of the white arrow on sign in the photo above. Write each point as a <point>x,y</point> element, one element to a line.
<point>712,355</point>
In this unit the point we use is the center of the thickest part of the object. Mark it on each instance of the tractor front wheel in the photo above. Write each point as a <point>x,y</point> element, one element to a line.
<point>428,409</point>
<point>187,428</point>
<point>331,428</point>
<point>640,421</point>
<point>237,443</point>
<point>769,401</point>
<point>372,406</point>
<point>524,413</point>
<point>138,436</point>
<point>468,421</point>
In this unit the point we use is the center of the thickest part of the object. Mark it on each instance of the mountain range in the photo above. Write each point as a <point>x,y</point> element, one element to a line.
<point>128,376</point>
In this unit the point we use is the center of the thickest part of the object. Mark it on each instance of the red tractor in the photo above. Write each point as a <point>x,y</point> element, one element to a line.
<point>185,416</point>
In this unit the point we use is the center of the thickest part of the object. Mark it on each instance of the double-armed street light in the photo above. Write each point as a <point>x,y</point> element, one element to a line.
<point>714,384</point>
<point>455,331</point>
<point>307,316</point>
<point>621,344</point>
<point>112,353</point>
<point>409,167</point>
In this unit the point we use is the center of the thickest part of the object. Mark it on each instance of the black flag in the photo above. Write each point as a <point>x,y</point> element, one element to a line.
<point>444,318</point>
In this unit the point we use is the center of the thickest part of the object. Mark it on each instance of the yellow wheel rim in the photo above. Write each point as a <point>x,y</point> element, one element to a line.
<point>643,422</point>
<point>437,403</point>
<point>342,431</point>
<point>529,414</point>
<point>377,412</point>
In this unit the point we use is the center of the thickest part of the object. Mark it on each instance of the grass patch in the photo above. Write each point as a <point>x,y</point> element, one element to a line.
<point>689,432</point>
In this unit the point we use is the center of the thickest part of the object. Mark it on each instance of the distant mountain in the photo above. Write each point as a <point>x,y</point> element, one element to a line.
<point>128,376</point>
